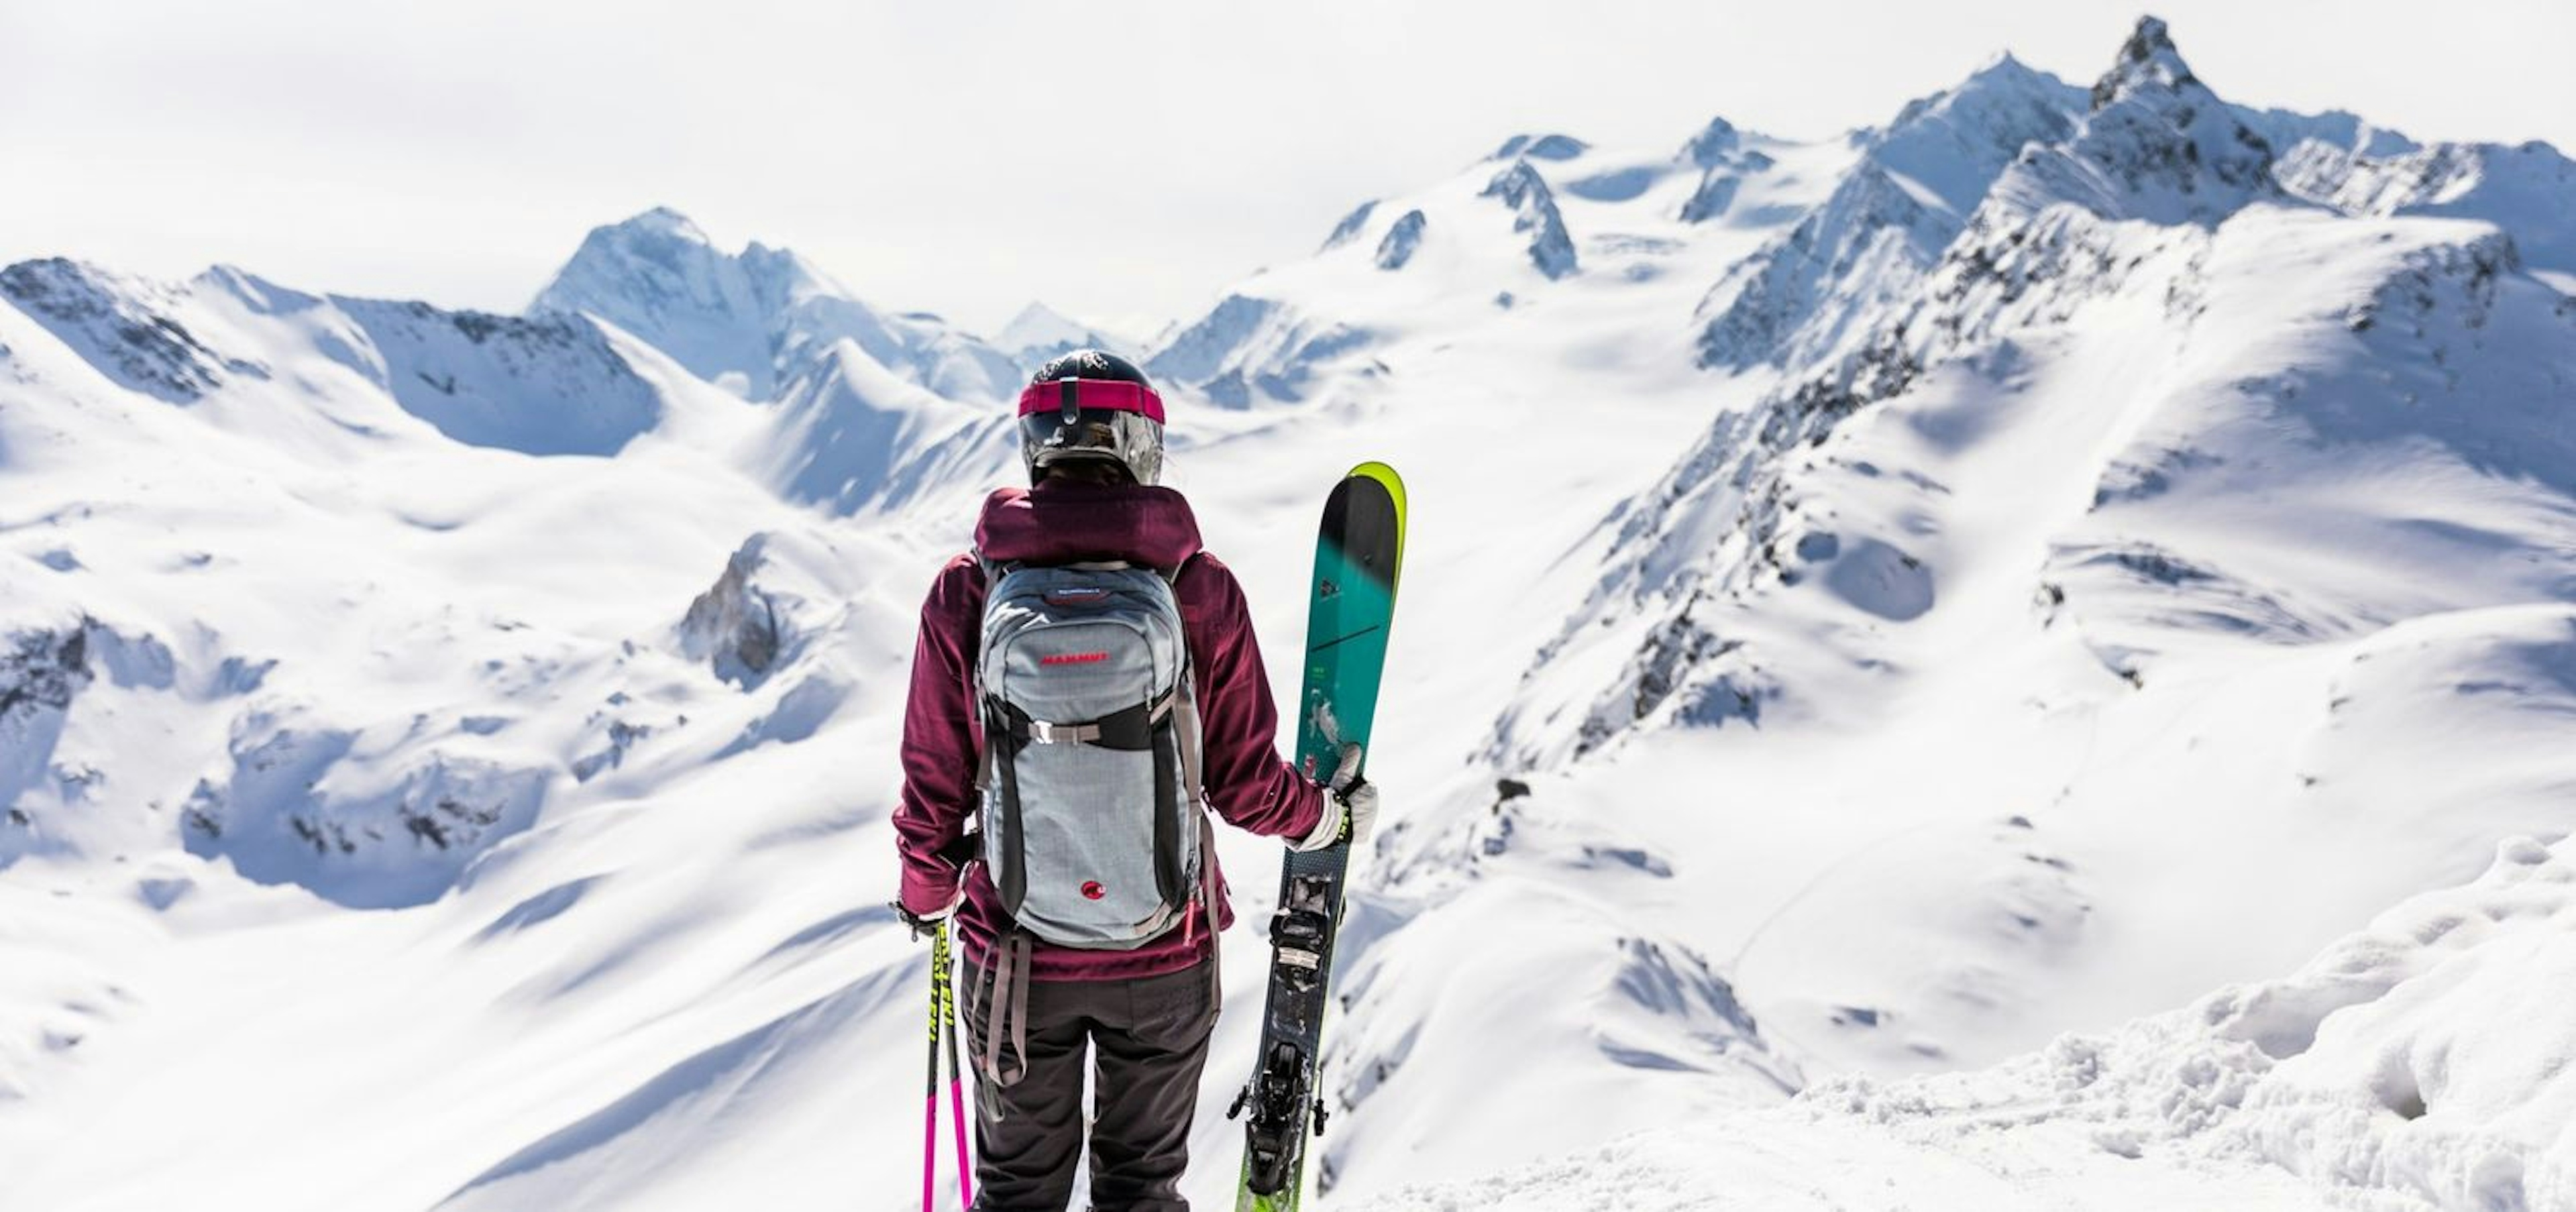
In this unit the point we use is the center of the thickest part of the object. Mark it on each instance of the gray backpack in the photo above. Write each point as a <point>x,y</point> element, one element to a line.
<point>1092,826</point>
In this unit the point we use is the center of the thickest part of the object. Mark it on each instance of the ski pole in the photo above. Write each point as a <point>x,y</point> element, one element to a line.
<point>930,1091</point>
<point>956,1080</point>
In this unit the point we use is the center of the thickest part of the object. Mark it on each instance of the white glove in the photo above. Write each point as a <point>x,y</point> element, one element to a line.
<point>1350,806</point>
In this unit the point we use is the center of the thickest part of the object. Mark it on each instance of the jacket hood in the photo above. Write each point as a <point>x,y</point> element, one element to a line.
<point>1063,521</point>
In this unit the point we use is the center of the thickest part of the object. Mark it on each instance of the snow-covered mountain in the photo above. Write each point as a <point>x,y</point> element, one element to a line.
<point>2020,657</point>
<point>749,321</point>
<point>1040,332</point>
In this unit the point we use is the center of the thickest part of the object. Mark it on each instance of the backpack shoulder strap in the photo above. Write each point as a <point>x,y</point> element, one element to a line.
<point>1172,575</point>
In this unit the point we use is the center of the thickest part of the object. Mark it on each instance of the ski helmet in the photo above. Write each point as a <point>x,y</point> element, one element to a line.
<point>1093,405</point>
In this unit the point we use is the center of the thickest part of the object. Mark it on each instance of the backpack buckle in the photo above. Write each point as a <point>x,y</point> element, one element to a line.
<point>1045,733</point>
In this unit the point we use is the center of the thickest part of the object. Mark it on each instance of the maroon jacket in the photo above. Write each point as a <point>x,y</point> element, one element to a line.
<point>1247,783</point>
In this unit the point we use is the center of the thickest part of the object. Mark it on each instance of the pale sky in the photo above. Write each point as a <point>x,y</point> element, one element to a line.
<point>1123,160</point>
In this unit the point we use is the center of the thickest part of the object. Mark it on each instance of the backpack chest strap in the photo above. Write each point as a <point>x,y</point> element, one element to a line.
<point>1130,730</point>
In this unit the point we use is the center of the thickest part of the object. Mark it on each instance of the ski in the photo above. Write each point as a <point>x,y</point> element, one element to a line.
<point>1357,555</point>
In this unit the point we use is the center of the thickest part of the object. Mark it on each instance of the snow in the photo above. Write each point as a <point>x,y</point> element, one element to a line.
<point>2397,1069</point>
<point>1991,662</point>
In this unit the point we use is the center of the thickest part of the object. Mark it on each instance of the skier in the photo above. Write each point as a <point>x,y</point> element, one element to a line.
<point>1042,984</point>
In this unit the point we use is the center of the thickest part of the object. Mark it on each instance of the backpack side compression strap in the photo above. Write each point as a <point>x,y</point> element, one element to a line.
<point>1012,881</point>
<point>1169,880</point>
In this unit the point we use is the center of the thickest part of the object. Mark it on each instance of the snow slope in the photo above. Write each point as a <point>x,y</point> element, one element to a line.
<point>2411,1064</point>
<point>1890,620</point>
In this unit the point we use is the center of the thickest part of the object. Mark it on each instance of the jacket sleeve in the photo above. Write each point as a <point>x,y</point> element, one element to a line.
<point>1247,782</point>
<point>939,738</point>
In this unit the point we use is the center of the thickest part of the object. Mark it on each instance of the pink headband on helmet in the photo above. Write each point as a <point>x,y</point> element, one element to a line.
<point>1113,394</point>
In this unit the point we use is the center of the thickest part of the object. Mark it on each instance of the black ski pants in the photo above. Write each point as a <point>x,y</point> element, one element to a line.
<point>1147,1041</point>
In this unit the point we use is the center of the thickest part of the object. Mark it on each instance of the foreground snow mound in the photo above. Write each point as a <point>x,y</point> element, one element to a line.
<point>2422,1058</point>
<point>2418,1064</point>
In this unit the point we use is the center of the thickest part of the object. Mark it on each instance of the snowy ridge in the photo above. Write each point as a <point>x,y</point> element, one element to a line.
<point>1801,299</point>
<point>2014,271</point>
<point>121,328</point>
<point>2519,189</point>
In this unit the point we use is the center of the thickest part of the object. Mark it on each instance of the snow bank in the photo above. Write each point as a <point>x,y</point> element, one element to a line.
<point>2422,1063</point>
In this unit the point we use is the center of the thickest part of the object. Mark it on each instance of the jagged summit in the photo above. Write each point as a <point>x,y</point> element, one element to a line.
<point>2157,145</point>
<point>1713,143</point>
<point>2147,60</point>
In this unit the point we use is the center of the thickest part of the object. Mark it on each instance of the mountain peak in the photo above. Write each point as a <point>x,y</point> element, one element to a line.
<point>2005,71</point>
<point>2156,145</point>
<point>2147,60</point>
<point>658,221</point>
<point>1713,143</point>
<point>1040,332</point>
